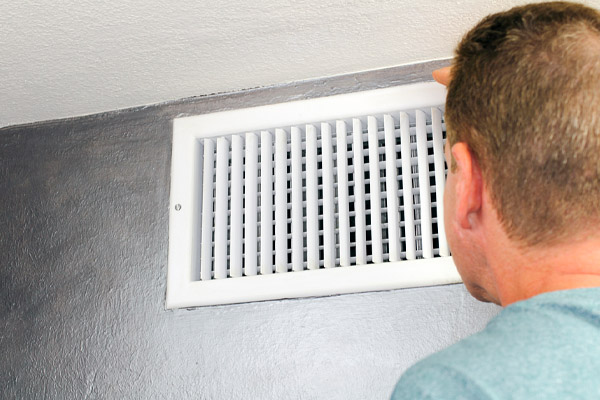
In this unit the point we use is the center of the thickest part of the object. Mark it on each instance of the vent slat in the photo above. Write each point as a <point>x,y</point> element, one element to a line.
<point>281,201</point>
<point>407,197</point>
<point>251,206</point>
<point>359,191</point>
<point>207,211</point>
<point>297,206</point>
<point>440,176</point>
<point>266,202</point>
<point>424,192</point>
<point>391,180</point>
<point>375,190</point>
<point>236,232</point>
<point>220,266</point>
<point>342,198</point>
<point>328,197</point>
<point>312,201</point>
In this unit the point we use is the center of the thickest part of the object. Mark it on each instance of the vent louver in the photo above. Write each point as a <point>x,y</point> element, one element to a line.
<point>316,197</point>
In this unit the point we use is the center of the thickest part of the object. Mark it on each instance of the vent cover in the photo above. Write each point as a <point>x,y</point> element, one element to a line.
<point>309,198</point>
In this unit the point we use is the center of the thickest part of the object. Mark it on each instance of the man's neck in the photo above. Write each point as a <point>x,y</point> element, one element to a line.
<point>523,273</point>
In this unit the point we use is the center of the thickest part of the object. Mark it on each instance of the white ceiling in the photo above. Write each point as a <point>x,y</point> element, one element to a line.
<point>62,58</point>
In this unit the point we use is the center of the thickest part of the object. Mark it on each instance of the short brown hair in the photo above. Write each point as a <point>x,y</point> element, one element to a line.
<point>525,97</point>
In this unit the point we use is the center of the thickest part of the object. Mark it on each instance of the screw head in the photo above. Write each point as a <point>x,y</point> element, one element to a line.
<point>177,207</point>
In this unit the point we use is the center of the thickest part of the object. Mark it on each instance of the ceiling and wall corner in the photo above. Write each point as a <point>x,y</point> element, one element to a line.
<point>68,58</point>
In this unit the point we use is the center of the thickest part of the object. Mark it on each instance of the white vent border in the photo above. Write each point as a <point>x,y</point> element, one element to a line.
<point>183,292</point>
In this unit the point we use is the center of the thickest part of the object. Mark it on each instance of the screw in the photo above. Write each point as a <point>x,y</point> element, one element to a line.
<point>177,207</point>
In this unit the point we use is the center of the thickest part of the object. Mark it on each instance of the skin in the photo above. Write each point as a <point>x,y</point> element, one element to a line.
<point>442,75</point>
<point>493,267</point>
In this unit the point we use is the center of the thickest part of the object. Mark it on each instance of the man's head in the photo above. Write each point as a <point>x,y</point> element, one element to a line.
<point>525,99</point>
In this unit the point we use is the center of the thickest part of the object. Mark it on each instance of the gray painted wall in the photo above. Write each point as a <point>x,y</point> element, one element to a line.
<point>83,263</point>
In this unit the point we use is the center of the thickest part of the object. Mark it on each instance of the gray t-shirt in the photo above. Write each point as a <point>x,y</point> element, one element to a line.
<point>546,347</point>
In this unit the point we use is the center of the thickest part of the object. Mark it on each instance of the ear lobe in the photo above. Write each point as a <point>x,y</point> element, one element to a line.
<point>469,186</point>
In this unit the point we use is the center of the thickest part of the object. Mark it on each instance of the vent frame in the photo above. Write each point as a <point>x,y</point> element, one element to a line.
<point>184,289</point>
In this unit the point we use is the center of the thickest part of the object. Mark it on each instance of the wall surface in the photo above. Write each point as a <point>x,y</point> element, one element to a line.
<point>83,265</point>
<point>66,58</point>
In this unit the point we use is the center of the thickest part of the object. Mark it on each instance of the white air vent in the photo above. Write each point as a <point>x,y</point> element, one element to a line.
<point>309,198</point>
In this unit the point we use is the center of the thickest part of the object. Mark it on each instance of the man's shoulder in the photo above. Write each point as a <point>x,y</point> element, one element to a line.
<point>434,380</point>
<point>463,369</point>
<point>553,338</point>
<point>525,331</point>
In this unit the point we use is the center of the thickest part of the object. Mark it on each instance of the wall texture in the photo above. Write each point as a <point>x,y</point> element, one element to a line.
<point>83,263</point>
<point>65,58</point>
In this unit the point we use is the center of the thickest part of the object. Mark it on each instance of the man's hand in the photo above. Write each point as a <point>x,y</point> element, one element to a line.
<point>443,75</point>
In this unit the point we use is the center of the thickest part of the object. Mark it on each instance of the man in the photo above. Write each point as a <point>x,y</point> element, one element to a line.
<point>522,207</point>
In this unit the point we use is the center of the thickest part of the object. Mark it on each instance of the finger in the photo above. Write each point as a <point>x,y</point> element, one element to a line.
<point>443,75</point>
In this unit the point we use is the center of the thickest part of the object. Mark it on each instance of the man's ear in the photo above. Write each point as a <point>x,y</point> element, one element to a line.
<point>469,186</point>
